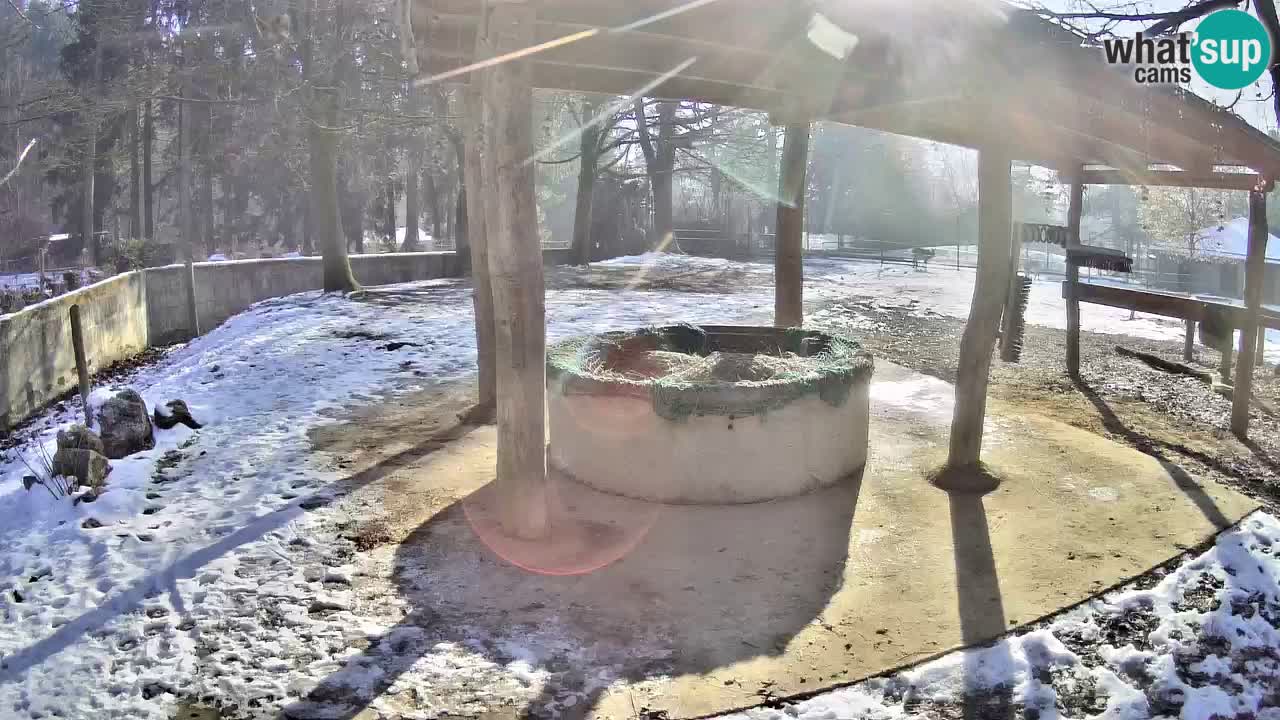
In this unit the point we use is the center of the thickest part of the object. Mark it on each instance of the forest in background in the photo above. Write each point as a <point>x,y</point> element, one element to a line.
<point>259,129</point>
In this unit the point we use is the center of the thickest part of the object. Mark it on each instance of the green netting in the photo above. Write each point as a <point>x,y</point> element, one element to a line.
<point>713,370</point>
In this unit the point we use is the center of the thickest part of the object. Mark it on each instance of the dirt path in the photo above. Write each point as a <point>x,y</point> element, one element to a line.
<point>419,559</point>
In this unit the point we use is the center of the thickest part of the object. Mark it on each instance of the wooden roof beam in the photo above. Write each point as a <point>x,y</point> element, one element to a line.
<point>1176,178</point>
<point>1225,137</point>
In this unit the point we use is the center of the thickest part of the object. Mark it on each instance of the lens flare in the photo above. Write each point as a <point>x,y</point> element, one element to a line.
<point>587,531</point>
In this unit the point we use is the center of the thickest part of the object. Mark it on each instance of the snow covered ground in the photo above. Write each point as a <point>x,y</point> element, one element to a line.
<point>201,572</point>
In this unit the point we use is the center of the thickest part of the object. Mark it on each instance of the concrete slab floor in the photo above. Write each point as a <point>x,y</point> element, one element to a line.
<point>699,610</point>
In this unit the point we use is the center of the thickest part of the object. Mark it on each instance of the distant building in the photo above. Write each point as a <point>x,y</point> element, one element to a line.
<point>1218,267</point>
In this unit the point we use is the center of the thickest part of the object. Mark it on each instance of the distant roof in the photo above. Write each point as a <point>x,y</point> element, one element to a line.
<point>1231,241</point>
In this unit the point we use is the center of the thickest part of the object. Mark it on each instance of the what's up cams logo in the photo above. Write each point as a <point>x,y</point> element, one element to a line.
<point>1230,49</point>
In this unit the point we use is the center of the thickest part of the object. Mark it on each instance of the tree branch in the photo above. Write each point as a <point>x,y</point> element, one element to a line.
<point>21,14</point>
<point>21,156</point>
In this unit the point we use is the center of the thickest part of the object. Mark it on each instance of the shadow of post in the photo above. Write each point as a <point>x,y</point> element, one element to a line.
<point>705,588</point>
<point>1181,479</point>
<point>981,609</point>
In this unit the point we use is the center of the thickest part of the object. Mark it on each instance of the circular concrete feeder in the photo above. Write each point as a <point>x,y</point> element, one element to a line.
<point>711,414</point>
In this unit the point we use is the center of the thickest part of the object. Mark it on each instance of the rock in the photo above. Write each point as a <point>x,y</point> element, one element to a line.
<point>124,425</point>
<point>79,436</point>
<point>88,466</point>
<point>178,413</point>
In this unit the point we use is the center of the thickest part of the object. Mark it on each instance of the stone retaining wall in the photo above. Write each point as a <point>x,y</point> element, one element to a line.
<point>125,314</point>
<point>37,363</point>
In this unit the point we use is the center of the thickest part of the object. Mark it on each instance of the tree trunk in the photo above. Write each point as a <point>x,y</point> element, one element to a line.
<point>326,213</point>
<point>206,149</point>
<point>206,204</point>
<point>432,194</point>
<point>148,190</point>
<point>515,261</point>
<point>353,213</point>
<point>242,209</point>
<point>186,220</point>
<point>389,214</point>
<point>460,206</point>
<point>447,215</point>
<point>308,246</point>
<point>411,210</point>
<point>788,257</point>
<point>87,190</point>
<point>135,175</point>
<point>353,230</point>
<point>477,239</point>
<point>228,217</point>
<point>659,160</point>
<point>663,224</point>
<point>286,222</point>
<point>589,151</point>
<point>461,242</point>
<point>995,217</point>
<point>90,168</point>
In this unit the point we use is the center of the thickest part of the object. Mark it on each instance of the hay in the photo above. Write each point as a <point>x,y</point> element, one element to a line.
<point>716,368</point>
<point>720,370</point>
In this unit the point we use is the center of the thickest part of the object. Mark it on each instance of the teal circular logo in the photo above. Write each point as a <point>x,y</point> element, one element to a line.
<point>1231,49</point>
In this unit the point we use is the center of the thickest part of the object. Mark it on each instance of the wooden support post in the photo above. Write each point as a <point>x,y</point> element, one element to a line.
<point>1189,342</point>
<point>1260,350</point>
<point>1074,209</point>
<point>515,268</point>
<point>788,256</point>
<point>1253,278</point>
<point>1225,351</point>
<point>82,364</point>
<point>995,231</point>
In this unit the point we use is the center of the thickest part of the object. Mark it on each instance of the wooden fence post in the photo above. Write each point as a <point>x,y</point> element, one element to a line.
<point>82,365</point>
